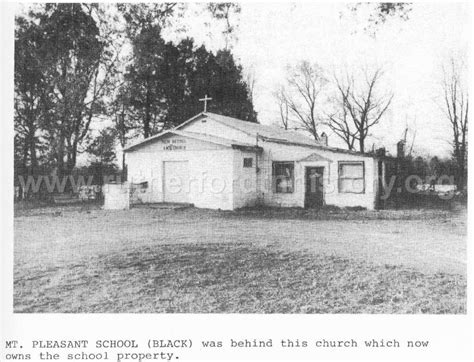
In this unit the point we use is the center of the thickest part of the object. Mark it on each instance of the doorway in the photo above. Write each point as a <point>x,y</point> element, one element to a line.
<point>314,195</point>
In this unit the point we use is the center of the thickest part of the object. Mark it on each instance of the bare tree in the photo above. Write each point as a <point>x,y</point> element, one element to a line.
<point>304,84</point>
<point>358,109</point>
<point>340,121</point>
<point>456,109</point>
<point>283,106</point>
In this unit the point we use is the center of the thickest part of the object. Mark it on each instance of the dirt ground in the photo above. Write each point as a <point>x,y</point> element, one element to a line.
<point>429,241</point>
<point>83,259</point>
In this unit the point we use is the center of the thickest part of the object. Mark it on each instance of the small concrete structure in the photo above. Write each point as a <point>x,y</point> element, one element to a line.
<point>116,196</point>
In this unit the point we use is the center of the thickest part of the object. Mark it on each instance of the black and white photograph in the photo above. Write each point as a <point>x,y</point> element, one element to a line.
<point>241,158</point>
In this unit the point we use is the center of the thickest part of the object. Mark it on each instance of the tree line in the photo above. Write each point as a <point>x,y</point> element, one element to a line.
<point>72,69</point>
<point>77,65</point>
<point>350,108</point>
<point>351,104</point>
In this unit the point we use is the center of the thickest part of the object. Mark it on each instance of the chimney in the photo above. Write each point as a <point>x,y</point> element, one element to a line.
<point>323,139</point>
<point>401,149</point>
<point>380,152</point>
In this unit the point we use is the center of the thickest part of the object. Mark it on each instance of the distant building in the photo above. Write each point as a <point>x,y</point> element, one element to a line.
<point>218,162</point>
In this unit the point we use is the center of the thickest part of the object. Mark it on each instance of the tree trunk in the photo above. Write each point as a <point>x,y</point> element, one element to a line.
<point>24,165</point>
<point>73,156</point>
<point>361,143</point>
<point>460,183</point>
<point>314,132</point>
<point>124,168</point>
<point>60,156</point>
<point>460,160</point>
<point>147,120</point>
<point>33,159</point>
<point>25,157</point>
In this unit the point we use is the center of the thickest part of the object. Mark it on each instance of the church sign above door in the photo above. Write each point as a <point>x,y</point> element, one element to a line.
<point>174,144</point>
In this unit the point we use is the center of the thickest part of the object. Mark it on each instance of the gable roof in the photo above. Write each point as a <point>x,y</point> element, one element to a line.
<point>197,136</point>
<point>264,132</point>
<point>271,133</point>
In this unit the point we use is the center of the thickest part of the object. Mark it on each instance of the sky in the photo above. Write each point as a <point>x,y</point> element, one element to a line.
<point>271,36</point>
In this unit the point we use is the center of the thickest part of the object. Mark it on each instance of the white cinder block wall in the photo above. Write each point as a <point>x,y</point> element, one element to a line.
<point>219,180</point>
<point>116,196</point>
<point>213,175</point>
<point>210,169</point>
<point>245,180</point>
<point>280,152</point>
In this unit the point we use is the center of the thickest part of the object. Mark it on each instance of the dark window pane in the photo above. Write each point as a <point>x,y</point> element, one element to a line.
<point>283,176</point>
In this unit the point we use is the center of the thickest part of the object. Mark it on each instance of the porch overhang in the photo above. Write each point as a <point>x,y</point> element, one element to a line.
<point>315,157</point>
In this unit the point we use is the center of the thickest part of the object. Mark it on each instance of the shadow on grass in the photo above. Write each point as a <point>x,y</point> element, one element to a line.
<point>347,213</point>
<point>234,278</point>
<point>39,207</point>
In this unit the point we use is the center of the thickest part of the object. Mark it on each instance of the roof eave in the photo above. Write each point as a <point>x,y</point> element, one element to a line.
<point>145,141</point>
<point>190,120</point>
<point>184,134</point>
<point>319,147</point>
<point>247,148</point>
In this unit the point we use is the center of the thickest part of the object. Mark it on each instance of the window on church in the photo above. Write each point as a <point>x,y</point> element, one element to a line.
<point>352,177</point>
<point>248,162</point>
<point>283,177</point>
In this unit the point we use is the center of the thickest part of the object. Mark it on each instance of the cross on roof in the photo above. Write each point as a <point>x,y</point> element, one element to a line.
<point>205,99</point>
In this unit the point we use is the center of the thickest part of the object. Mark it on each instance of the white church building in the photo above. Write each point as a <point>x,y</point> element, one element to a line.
<point>218,162</point>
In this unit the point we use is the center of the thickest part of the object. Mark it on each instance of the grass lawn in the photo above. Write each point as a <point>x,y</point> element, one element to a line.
<point>199,261</point>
